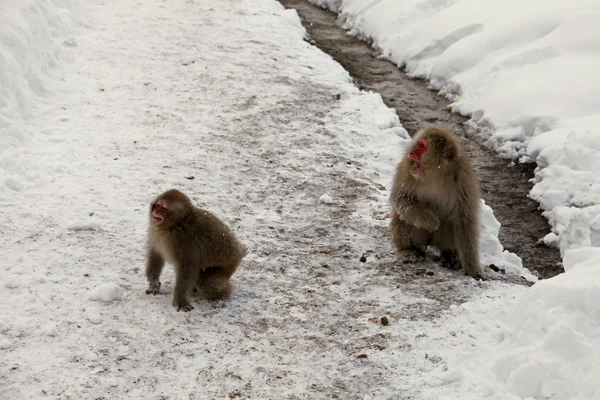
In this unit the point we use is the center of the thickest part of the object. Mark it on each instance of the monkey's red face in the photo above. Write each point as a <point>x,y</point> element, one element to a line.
<point>417,153</point>
<point>159,212</point>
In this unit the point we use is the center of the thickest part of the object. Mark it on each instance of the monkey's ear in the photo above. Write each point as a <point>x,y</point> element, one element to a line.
<point>449,151</point>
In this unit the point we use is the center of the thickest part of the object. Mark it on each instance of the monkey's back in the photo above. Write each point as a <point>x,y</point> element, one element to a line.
<point>211,237</point>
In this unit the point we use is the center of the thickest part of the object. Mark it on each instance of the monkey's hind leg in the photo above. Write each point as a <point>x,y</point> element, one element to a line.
<point>213,283</point>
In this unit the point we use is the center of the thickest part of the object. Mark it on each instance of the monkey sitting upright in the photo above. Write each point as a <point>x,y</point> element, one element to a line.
<point>203,250</point>
<point>435,200</point>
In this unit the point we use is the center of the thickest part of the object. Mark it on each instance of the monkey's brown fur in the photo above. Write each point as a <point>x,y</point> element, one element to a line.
<point>203,250</point>
<point>438,204</point>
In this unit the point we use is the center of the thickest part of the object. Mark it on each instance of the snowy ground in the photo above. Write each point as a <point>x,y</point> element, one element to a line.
<point>530,77</point>
<point>150,94</point>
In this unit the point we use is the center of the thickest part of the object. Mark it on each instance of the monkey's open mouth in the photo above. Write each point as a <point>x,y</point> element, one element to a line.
<point>415,167</point>
<point>157,218</point>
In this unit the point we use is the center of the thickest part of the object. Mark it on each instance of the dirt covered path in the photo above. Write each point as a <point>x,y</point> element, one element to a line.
<point>504,186</point>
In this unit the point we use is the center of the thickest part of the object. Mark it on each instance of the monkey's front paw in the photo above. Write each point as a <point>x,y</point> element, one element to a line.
<point>154,288</point>
<point>184,306</point>
<point>429,221</point>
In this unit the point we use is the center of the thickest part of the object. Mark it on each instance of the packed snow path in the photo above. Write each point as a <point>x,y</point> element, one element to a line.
<point>224,101</point>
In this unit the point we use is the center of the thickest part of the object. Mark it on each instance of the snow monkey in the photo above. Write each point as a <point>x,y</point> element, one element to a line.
<point>435,200</point>
<point>203,250</point>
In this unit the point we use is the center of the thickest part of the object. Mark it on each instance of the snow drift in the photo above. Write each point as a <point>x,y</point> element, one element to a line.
<point>31,35</point>
<point>552,350</point>
<point>547,349</point>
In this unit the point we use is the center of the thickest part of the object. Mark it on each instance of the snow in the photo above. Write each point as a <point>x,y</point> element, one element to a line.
<point>107,292</point>
<point>93,315</point>
<point>84,226</point>
<point>4,343</point>
<point>50,329</point>
<point>492,251</point>
<point>527,73</point>
<point>107,103</point>
<point>12,282</point>
<point>550,347</point>
<point>31,34</point>
<point>326,199</point>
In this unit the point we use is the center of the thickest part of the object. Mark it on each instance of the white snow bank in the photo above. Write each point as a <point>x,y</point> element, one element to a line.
<point>106,292</point>
<point>31,35</point>
<point>553,348</point>
<point>491,250</point>
<point>550,347</point>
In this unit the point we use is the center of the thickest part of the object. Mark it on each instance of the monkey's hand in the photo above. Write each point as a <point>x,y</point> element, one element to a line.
<point>427,221</point>
<point>184,306</point>
<point>154,288</point>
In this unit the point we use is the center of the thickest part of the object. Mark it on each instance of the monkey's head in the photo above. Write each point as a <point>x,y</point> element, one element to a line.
<point>169,209</point>
<point>434,151</point>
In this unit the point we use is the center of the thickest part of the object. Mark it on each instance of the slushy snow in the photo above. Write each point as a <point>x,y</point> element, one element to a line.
<point>526,72</point>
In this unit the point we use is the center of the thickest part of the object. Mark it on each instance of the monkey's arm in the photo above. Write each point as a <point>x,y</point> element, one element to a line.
<point>413,213</point>
<point>154,265</point>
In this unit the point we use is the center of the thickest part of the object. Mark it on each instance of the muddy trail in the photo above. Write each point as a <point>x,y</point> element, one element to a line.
<point>504,187</point>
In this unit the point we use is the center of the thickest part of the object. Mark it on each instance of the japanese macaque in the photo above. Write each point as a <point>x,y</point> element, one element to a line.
<point>203,250</point>
<point>435,201</point>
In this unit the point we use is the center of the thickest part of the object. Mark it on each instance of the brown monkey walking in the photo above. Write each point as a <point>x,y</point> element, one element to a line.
<point>203,250</point>
<point>435,200</point>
